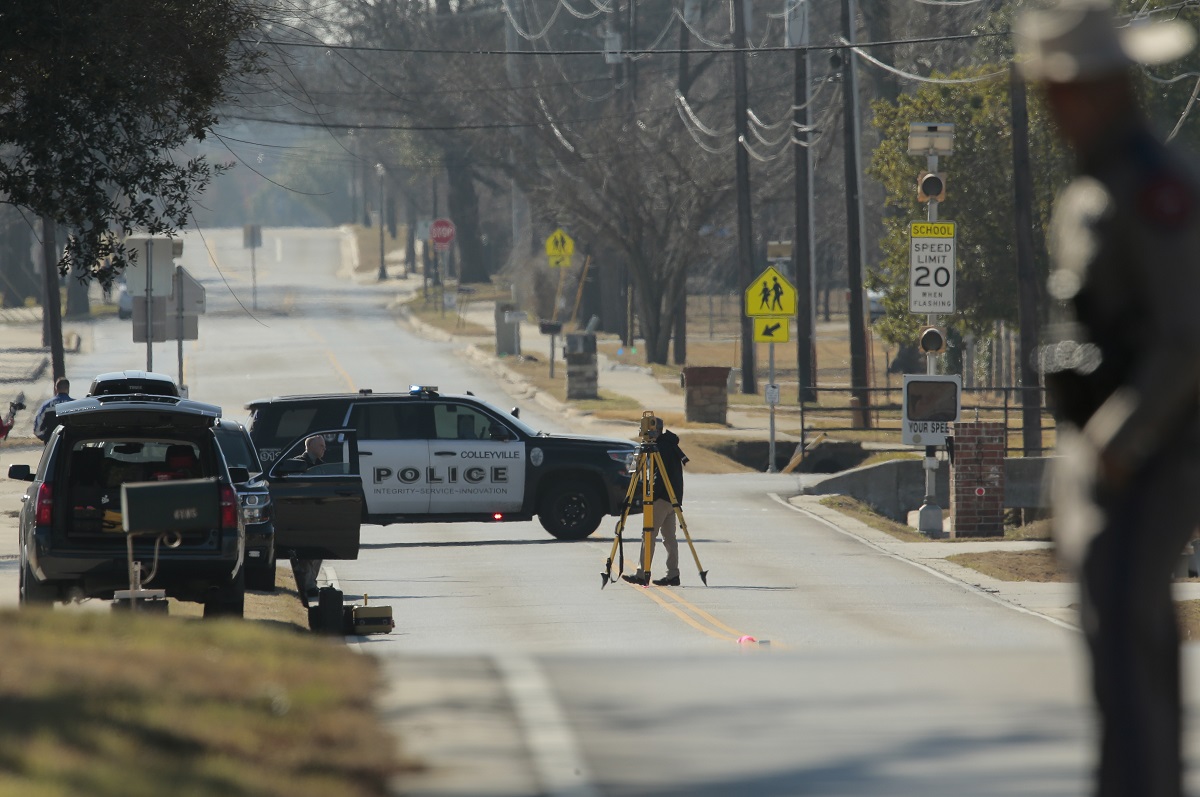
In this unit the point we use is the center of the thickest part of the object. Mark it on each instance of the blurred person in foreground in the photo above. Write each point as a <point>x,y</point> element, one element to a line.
<point>1123,373</point>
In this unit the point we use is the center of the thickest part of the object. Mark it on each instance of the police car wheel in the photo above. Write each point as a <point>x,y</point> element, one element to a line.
<point>570,511</point>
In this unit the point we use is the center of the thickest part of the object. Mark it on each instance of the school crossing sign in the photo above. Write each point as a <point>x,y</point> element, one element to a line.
<point>931,267</point>
<point>770,294</point>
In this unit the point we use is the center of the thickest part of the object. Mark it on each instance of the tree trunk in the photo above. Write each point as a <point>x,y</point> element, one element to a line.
<point>51,299</point>
<point>681,329</point>
<point>464,212</point>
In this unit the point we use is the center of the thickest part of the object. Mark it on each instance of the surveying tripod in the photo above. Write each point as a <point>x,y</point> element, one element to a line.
<point>649,463</point>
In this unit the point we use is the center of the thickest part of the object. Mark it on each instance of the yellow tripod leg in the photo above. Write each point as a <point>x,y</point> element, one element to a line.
<point>630,492</point>
<point>647,517</point>
<point>678,508</point>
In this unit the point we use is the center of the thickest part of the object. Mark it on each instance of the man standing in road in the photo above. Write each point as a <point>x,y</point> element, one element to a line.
<point>44,421</point>
<point>673,460</point>
<point>1125,376</point>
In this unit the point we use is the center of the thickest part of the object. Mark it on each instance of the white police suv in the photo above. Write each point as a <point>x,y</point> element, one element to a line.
<point>426,457</point>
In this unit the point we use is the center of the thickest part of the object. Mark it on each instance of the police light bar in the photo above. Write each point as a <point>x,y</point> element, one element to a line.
<point>422,390</point>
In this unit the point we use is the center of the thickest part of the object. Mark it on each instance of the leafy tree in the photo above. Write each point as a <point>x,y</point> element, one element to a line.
<point>979,197</point>
<point>97,97</point>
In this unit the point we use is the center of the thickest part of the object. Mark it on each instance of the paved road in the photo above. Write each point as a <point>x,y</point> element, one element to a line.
<point>512,672</point>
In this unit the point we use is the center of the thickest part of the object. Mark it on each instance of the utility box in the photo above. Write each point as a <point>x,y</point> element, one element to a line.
<point>508,334</point>
<point>705,396</point>
<point>582,368</point>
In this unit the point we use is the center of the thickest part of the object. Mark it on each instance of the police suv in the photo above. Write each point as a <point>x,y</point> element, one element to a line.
<point>426,457</point>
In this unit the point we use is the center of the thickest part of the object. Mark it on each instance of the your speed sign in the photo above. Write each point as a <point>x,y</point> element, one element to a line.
<point>931,267</point>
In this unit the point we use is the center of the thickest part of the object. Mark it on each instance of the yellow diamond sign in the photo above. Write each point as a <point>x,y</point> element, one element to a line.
<point>770,294</point>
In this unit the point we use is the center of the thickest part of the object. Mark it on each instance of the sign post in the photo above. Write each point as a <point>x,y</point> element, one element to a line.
<point>931,273</point>
<point>442,232</point>
<point>252,239</point>
<point>770,302</point>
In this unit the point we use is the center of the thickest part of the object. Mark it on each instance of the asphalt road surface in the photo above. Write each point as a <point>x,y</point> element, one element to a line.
<point>512,672</point>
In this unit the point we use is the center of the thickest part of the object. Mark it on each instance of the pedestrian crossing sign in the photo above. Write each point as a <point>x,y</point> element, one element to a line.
<point>559,248</point>
<point>770,294</point>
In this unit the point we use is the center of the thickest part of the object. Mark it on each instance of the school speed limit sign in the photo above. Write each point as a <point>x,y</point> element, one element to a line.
<point>931,267</point>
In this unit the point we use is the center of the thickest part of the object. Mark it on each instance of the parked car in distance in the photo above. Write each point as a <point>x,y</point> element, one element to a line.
<point>254,502</point>
<point>875,308</point>
<point>124,302</point>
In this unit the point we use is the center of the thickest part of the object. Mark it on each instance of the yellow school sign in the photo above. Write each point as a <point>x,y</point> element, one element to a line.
<point>559,248</point>
<point>770,294</point>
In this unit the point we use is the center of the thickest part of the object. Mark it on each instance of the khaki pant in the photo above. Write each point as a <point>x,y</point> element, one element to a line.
<point>664,525</point>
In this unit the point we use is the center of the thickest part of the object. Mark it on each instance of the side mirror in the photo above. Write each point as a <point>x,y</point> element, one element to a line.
<point>20,473</point>
<point>498,431</point>
<point>239,475</point>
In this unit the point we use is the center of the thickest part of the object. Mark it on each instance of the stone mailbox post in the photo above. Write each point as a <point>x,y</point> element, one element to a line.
<point>507,339</point>
<point>582,371</point>
<point>705,399</point>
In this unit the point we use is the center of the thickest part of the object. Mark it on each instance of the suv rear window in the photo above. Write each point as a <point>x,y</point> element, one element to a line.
<point>96,469</point>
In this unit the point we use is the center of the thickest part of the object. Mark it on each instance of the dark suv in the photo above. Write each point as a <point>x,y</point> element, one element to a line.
<point>72,541</point>
<point>427,457</point>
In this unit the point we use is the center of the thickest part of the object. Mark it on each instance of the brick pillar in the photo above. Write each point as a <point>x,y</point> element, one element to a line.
<point>977,479</point>
<point>705,396</point>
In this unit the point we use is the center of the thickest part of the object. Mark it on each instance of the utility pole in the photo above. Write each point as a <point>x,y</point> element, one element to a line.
<point>854,255</point>
<point>744,219</point>
<point>806,344</point>
<point>51,303</point>
<point>1027,285</point>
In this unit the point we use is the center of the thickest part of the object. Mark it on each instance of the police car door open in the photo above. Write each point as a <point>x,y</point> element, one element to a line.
<point>476,463</point>
<point>393,456</point>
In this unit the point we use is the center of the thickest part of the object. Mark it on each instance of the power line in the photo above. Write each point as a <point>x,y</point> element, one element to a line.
<point>640,52</point>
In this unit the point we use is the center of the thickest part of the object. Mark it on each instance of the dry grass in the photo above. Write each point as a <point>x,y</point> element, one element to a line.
<point>1041,565</point>
<point>1038,530</point>
<point>117,704</point>
<point>103,704</point>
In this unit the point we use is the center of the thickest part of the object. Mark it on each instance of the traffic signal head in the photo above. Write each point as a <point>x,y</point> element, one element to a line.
<point>931,186</point>
<point>932,340</point>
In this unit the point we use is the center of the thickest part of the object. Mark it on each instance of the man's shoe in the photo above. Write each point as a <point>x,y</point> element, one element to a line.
<point>636,579</point>
<point>667,581</point>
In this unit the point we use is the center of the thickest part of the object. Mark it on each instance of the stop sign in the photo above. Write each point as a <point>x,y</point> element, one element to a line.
<point>442,233</point>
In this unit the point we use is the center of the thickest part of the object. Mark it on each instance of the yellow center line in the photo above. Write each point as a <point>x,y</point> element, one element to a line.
<point>337,366</point>
<point>703,614</point>
<point>682,615</point>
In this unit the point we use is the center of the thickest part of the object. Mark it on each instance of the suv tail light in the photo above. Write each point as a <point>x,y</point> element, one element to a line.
<point>44,514</point>
<point>229,508</point>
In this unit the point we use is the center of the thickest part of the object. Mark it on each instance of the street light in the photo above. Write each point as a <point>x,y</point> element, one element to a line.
<point>379,170</point>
